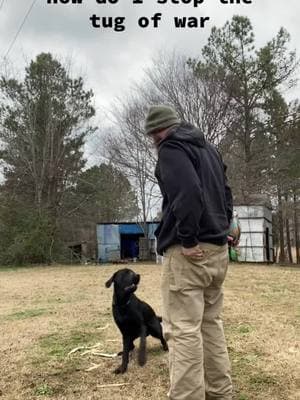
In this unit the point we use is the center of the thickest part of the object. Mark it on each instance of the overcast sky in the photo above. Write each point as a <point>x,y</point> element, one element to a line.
<point>110,61</point>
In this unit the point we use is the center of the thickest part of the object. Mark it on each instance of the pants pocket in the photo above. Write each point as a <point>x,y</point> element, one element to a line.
<point>172,271</point>
<point>197,270</point>
<point>176,273</point>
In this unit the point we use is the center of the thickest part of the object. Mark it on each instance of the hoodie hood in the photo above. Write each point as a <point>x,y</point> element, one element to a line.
<point>186,133</point>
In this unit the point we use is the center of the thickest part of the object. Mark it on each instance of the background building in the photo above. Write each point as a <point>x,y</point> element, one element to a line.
<point>256,242</point>
<point>123,241</point>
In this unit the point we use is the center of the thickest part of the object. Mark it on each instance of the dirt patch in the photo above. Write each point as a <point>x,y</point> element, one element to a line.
<point>46,312</point>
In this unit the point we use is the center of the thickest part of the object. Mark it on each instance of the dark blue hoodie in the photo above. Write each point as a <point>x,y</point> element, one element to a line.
<point>197,201</point>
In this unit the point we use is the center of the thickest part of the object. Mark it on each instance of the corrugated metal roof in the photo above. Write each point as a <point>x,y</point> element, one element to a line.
<point>130,229</point>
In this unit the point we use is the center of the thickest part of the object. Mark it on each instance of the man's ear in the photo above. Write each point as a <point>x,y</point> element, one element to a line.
<point>138,278</point>
<point>110,281</point>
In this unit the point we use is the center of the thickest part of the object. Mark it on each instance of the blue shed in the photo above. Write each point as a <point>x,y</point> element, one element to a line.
<point>122,241</point>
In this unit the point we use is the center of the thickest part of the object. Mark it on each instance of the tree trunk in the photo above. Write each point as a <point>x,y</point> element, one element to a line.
<point>288,240</point>
<point>288,233</point>
<point>280,228</point>
<point>297,240</point>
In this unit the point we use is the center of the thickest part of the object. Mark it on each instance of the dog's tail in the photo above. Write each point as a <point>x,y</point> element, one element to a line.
<point>142,358</point>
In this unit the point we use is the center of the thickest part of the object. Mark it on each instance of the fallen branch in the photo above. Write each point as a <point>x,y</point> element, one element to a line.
<point>107,355</point>
<point>103,328</point>
<point>84,347</point>
<point>87,352</point>
<point>94,366</point>
<point>93,351</point>
<point>113,385</point>
<point>97,353</point>
<point>76,349</point>
<point>95,345</point>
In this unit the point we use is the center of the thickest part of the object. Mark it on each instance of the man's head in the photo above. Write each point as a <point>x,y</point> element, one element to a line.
<point>158,121</point>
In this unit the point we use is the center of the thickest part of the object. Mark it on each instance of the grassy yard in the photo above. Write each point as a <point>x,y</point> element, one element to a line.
<point>48,311</point>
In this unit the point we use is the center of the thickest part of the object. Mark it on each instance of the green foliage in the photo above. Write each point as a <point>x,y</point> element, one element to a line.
<point>43,126</point>
<point>111,195</point>
<point>44,390</point>
<point>253,72</point>
<point>42,120</point>
<point>262,380</point>
<point>101,194</point>
<point>249,77</point>
<point>36,312</point>
<point>244,328</point>
<point>57,346</point>
<point>27,236</point>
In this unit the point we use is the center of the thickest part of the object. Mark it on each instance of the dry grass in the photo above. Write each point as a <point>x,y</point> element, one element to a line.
<point>46,312</point>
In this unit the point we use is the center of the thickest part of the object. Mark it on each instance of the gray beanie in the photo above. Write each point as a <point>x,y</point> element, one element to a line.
<point>160,117</point>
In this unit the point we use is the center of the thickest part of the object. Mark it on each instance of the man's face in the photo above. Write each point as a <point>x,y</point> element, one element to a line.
<point>158,136</point>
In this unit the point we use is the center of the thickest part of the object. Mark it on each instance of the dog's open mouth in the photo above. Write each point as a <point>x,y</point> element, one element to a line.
<point>130,288</point>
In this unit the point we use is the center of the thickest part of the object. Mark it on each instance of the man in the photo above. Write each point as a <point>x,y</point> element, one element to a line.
<point>192,236</point>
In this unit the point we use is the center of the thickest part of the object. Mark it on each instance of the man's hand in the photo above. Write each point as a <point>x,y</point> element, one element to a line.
<point>195,252</point>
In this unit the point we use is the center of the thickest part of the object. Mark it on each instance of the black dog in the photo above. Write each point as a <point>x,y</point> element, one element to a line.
<point>134,317</point>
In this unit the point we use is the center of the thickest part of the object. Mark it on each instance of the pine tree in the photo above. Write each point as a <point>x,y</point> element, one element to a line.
<point>43,126</point>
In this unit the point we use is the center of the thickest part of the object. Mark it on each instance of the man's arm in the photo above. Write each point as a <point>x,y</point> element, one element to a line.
<point>183,188</point>
<point>228,196</point>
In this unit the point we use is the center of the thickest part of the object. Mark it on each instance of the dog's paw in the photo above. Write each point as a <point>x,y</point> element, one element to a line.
<point>130,352</point>
<point>120,370</point>
<point>142,360</point>
<point>165,347</point>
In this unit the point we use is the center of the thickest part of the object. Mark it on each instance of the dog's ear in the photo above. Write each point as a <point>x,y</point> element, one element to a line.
<point>138,278</point>
<point>110,281</point>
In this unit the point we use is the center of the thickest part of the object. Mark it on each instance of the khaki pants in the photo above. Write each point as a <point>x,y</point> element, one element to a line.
<point>192,302</point>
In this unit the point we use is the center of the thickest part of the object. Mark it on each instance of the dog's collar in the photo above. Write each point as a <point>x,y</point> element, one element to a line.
<point>115,303</point>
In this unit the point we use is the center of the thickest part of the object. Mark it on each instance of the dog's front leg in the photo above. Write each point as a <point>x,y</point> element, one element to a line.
<point>142,350</point>
<point>125,356</point>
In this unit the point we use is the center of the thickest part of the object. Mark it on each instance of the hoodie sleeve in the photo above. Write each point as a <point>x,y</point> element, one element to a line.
<point>228,194</point>
<point>183,189</point>
<point>228,197</point>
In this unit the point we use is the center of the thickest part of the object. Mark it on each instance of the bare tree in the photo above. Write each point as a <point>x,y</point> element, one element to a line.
<point>170,80</point>
<point>130,150</point>
<point>197,96</point>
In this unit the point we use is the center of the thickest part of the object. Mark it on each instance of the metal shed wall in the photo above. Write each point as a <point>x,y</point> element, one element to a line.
<point>255,221</point>
<point>108,242</point>
<point>109,238</point>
